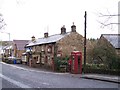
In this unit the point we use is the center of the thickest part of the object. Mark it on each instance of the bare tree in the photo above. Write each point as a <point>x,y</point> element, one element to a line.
<point>107,20</point>
<point>2,22</point>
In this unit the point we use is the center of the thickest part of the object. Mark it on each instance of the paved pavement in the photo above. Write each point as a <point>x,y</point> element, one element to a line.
<point>102,77</point>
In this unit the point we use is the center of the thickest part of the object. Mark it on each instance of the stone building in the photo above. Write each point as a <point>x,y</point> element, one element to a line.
<point>45,50</point>
<point>112,40</point>
<point>106,52</point>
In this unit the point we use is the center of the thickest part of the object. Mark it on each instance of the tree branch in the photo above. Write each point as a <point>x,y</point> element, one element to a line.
<point>103,15</point>
<point>108,23</point>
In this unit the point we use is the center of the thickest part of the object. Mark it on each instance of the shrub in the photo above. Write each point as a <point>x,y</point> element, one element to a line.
<point>102,69</point>
<point>60,61</point>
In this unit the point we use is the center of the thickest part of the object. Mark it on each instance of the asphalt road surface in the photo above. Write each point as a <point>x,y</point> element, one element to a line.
<point>14,77</point>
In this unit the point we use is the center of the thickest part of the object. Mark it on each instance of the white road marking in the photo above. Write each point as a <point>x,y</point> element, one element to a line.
<point>13,66</point>
<point>19,84</point>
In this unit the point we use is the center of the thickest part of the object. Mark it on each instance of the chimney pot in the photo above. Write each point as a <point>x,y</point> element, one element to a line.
<point>33,38</point>
<point>46,35</point>
<point>63,30</point>
<point>73,28</point>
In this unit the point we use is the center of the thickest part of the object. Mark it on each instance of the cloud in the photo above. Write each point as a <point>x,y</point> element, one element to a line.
<point>28,17</point>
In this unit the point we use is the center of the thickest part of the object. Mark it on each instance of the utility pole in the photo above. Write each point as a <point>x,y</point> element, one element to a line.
<point>85,41</point>
<point>9,45</point>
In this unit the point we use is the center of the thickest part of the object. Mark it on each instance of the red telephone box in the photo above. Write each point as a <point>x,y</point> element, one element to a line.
<point>76,65</point>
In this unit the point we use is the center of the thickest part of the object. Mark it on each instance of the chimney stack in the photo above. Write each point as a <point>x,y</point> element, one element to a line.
<point>46,35</point>
<point>33,38</point>
<point>63,30</point>
<point>73,28</point>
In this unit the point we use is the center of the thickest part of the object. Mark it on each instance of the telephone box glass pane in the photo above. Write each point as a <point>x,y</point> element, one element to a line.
<point>73,58</point>
<point>78,59</point>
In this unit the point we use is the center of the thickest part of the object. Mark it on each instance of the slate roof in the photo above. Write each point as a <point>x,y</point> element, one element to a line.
<point>7,47</point>
<point>20,44</point>
<point>114,39</point>
<point>49,39</point>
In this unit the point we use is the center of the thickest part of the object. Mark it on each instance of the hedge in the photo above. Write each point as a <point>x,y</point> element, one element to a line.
<point>103,71</point>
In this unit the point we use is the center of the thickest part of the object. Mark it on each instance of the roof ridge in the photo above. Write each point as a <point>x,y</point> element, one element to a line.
<point>113,39</point>
<point>19,40</point>
<point>110,34</point>
<point>54,35</point>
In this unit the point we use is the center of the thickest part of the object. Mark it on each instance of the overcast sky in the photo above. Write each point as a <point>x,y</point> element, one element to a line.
<point>25,18</point>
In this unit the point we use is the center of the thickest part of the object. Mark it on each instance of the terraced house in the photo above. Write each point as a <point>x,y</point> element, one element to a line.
<point>45,50</point>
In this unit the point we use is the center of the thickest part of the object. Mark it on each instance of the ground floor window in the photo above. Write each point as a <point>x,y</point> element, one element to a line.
<point>38,59</point>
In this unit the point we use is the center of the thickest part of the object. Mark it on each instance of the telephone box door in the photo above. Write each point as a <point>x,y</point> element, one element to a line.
<point>76,57</point>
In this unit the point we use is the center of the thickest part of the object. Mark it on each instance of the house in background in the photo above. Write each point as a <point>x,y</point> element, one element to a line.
<point>45,50</point>
<point>15,48</point>
<point>7,50</point>
<point>113,40</point>
<point>19,47</point>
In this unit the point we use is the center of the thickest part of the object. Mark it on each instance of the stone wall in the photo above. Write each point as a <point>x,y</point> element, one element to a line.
<point>42,53</point>
<point>71,42</point>
<point>74,41</point>
<point>104,42</point>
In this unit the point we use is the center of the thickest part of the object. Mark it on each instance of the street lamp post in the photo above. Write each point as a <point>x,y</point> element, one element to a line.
<point>9,44</point>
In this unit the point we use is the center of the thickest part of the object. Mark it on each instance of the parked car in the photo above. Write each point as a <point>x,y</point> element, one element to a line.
<point>14,60</point>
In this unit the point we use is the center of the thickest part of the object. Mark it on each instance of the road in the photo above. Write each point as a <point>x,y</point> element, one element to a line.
<point>7,84</point>
<point>14,77</point>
